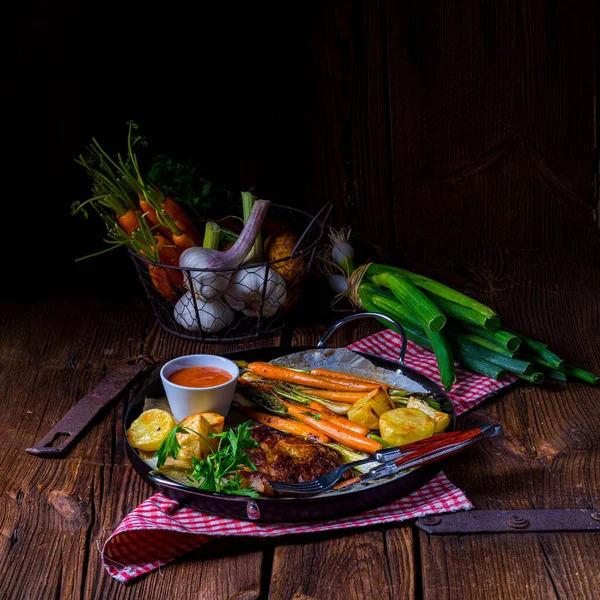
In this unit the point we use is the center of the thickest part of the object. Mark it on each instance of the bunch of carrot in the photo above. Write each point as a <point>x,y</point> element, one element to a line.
<point>137,213</point>
<point>312,393</point>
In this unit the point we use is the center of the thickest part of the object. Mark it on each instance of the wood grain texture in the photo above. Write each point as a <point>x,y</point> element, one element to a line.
<point>510,566</point>
<point>551,433</point>
<point>492,125</point>
<point>347,123</point>
<point>341,566</point>
<point>55,513</point>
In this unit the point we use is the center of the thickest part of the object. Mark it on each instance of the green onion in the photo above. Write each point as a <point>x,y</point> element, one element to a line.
<point>430,316</point>
<point>436,288</point>
<point>503,337</point>
<point>554,374</point>
<point>485,343</point>
<point>479,365</point>
<point>468,315</point>
<point>540,349</point>
<point>379,439</point>
<point>513,365</point>
<point>582,374</point>
<point>437,341</point>
<point>534,377</point>
<point>351,455</point>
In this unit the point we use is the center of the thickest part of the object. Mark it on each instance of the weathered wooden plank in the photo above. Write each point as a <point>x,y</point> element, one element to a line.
<point>94,487</point>
<point>347,148</point>
<point>508,566</point>
<point>480,158</point>
<point>338,566</point>
<point>550,453</point>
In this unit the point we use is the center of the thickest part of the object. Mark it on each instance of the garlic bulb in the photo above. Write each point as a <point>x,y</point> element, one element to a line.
<point>245,292</point>
<point>212,317</point>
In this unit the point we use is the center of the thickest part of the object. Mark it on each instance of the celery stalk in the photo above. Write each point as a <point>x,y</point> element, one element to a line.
<point>212,233</point>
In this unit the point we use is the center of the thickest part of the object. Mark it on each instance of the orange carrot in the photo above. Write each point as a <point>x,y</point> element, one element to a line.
<point>277,373</point>
<point>182,219</point>
<point>169,255</point>
<point>162,283</point>
<point>348,397</point>
<point>346,482</point>
<point>128,221</point>
<point>343,436</point>
<point>346,377</point>
<point>342,422</point>
<point>287,425</point>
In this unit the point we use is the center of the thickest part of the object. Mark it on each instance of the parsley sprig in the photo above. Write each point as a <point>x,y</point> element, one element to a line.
<point>219,471</point>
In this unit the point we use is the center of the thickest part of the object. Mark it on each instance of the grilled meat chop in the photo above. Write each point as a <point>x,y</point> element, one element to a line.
<point>281,457</point>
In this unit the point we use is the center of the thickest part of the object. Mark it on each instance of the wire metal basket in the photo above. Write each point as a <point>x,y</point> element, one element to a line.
<point>270,290</point>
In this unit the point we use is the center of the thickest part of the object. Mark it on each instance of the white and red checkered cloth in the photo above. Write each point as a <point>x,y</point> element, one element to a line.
<point>160,530</point>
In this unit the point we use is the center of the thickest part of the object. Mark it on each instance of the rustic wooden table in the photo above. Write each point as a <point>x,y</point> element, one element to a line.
<point>54,513</point>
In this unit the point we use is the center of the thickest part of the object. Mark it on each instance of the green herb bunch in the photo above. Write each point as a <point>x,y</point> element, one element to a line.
<point>181,181</point>
<point>219,472</point>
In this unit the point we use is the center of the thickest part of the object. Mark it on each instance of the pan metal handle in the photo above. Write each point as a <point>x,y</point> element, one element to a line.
<point>367,315</point>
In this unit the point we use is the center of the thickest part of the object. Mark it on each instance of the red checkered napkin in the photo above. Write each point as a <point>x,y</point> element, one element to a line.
<point>160,530</point>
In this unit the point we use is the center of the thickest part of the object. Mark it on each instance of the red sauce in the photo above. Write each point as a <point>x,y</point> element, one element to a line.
<point>200,377</point>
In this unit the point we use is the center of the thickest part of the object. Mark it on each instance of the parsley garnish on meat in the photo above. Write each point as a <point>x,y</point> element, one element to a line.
<point>219,471</point>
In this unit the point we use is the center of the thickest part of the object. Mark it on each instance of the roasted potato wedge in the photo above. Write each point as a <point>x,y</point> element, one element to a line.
<point>442,419</point>
<point>367,410</point>
<point>197,444</point>
<point>149,430</point>
<point>403,426</point>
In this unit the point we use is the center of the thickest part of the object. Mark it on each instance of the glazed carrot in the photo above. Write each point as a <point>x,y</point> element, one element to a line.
<point>347,397</point>
<point>277,373</point>
<point>342,422</point>
<point>343,436</point>
<point>346,377</point>
<point>346,482</point>
<point>287,425</point>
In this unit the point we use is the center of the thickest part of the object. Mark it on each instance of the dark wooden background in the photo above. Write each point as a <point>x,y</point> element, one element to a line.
<point>434,127</point>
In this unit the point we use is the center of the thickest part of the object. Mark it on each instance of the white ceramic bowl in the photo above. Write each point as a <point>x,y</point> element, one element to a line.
<point>185,401</point>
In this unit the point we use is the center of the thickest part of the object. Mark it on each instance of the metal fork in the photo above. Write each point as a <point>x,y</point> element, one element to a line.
<point>393,460</point>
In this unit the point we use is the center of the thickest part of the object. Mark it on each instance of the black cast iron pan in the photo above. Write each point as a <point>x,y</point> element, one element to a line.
<point>354,499</point>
